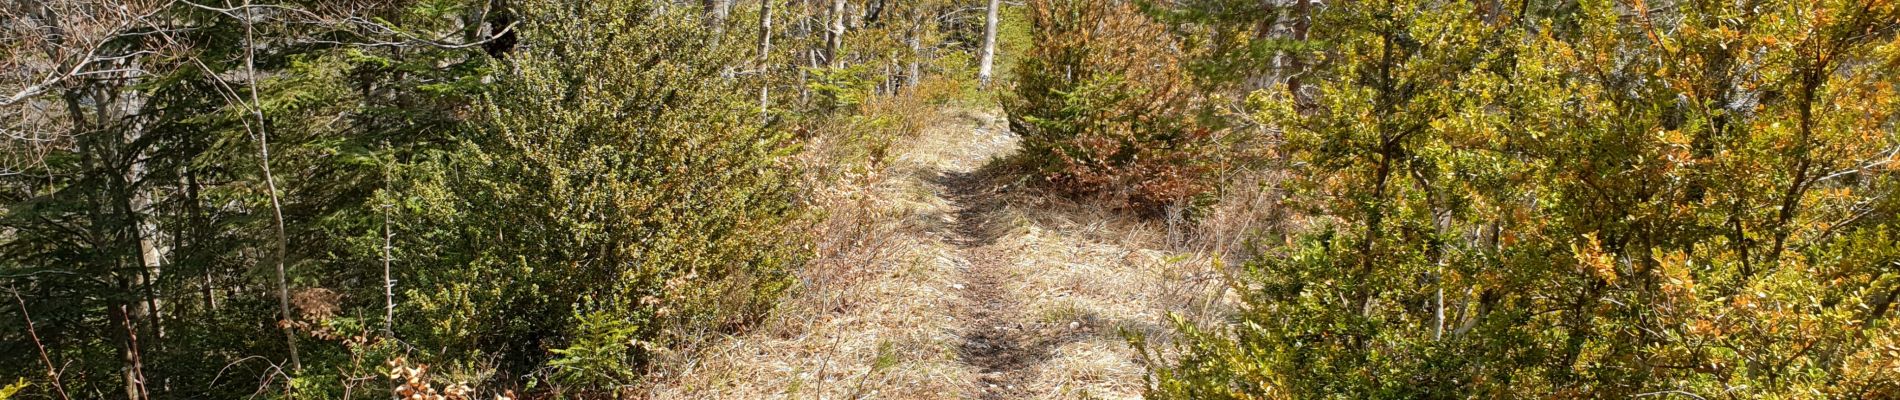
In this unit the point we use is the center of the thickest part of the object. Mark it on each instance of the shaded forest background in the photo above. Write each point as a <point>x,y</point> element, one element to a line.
<point>538,198</point>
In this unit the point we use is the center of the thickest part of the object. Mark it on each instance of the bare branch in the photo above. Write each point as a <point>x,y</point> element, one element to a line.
<point>52,374</point>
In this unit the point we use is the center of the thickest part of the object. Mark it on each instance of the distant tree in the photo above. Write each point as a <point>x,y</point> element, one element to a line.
<point>987,61</point>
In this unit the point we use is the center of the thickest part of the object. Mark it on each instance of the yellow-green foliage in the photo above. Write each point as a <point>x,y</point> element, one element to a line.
<point>8,391</point>
<point>1611,200</point>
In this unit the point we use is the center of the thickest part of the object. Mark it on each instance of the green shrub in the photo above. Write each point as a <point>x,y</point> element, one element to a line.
<point>1496,210</point>
<point>1104,106</point>
<point>621,197</point>
<point>843,88</point>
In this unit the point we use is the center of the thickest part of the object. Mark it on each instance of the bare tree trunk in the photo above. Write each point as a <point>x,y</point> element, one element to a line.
<point>1438,308</point>
<point>804,76</point>
<point>389,281</point>
<point>138,204</point>
<point>128,370</point>
<point>270,183</point>
<point>192,228</point>
<point>810,55</point>
<point>109,220</point>
<point>718,11</point>
<point>278,252</point>
<point>888,85</point>
<point>1302,20</point>
<point>986,63</point>
<point>915,74</point>
<point>149,257</point>
<point>834,39</point>
<point>133,368</point>
<point>765,60</point>
<point>111,105</point>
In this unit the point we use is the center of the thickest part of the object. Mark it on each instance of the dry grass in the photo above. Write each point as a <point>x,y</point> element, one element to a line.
<point>1085,275</point>
<point>871,318</point>
<point>884,310</point>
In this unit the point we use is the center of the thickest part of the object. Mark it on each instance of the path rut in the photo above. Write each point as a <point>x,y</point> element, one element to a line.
<point>995,342</point>
<point>992,291</point>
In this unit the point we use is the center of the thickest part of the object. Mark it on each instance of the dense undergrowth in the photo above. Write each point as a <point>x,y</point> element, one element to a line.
<point>1597,199</point>
<point>537,198</point>
<point>467,199</point>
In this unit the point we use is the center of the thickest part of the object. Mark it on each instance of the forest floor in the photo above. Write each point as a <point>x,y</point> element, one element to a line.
<point>957,280</point>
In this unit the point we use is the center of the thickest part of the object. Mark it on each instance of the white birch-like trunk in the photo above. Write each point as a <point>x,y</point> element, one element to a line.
<point>986,63</point>
<point>765,60</point>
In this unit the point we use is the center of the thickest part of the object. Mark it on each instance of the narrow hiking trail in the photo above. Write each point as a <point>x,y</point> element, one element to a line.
<point>963,284</point>
<point>995,341</point>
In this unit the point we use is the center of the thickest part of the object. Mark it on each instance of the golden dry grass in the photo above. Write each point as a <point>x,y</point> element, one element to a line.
<point>887,311</point>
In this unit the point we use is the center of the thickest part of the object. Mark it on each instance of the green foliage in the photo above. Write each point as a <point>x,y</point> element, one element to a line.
<point>619,179</point>
<point>1225,42</point>
<point>1560,202</point>
<point>1552,199</point>
<point>1104,106</point>
<point>841,88</point>
<point>600,355</point>
<point>172,159</point>
<point>607,174</point>
<point>1014,38</point>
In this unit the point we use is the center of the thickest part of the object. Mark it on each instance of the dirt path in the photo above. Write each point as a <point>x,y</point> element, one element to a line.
<point>969,286</point>
<point>1010,330</point>
<point>995,342</point>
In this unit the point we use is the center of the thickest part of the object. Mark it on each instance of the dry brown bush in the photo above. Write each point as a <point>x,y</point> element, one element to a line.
<point>1105,107</point>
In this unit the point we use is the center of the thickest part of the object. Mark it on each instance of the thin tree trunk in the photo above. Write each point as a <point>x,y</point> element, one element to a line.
<point>279,250</point>
<point>1438,306</point>
<point>114,105</point>
<point>718,11</point>
<point>133,368</point>
<point>986,63</point>
<point>1375,216</point>
<point>765,60</point>
<point>810,55</point>
<point>915,74</point>
<point>270,184</point>
<point>834,39</point>
<point>193,229</point>
<point>389,281</point>
<point>1811,83</point>
<point>108,221</point>
<point>1302,22</point>
<point>149,250</point>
